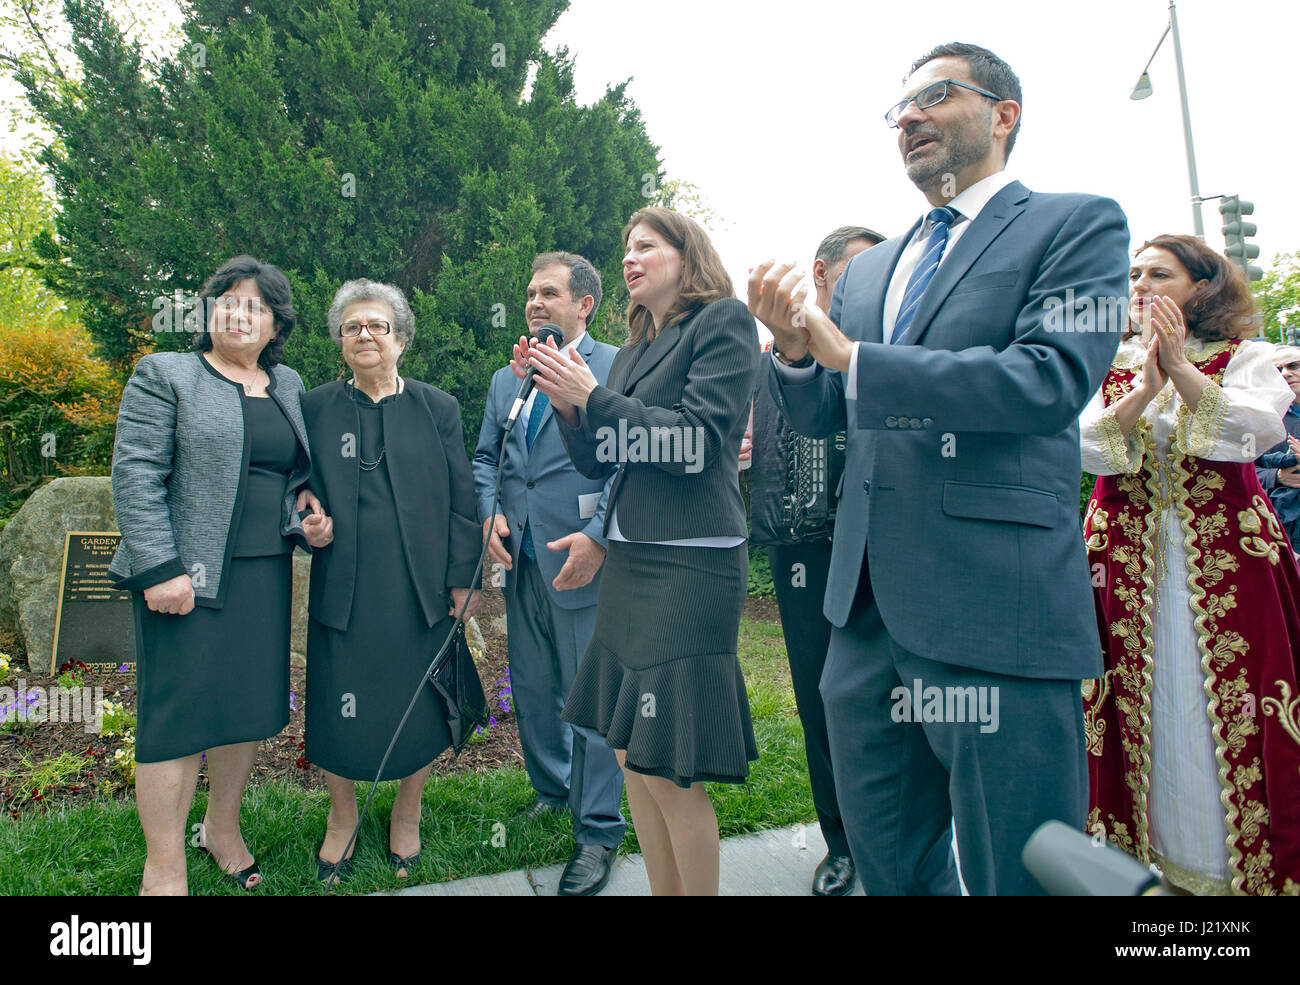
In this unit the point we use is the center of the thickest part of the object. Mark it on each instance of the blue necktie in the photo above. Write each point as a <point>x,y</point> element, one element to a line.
<point>540,403</point>
<point>923,272</point>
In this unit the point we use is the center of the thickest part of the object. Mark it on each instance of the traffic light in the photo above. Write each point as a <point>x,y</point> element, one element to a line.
<point>1236,232</point>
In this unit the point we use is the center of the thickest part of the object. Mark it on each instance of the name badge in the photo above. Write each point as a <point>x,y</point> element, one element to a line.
<point>587,504</point>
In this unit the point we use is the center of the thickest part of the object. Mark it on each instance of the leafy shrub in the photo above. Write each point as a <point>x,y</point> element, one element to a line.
<point>58,409</point>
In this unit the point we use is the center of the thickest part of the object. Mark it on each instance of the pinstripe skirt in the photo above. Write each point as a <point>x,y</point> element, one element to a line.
<point>660,678</point>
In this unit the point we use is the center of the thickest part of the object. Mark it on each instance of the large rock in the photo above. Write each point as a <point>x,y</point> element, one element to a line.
<point>31,556</point>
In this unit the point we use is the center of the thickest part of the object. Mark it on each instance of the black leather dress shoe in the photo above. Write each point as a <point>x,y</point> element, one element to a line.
<point>588,871</point>
<point>834,877</point>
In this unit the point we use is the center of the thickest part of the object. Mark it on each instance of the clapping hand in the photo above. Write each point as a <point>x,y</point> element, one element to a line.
<point>1168,327</point>
<point>1154,377</point>
<point>772,298</point>
<point>780,301</point>
<point>566,380</point>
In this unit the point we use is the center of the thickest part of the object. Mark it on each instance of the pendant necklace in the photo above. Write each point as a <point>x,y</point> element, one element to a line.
<point>248,387</point>
<point>361,460</point>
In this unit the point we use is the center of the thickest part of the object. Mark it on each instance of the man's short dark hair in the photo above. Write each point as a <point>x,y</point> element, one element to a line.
<point>833,247</point>
<point>583,279</point>
<point>274,288</point>
<point>987,70</point>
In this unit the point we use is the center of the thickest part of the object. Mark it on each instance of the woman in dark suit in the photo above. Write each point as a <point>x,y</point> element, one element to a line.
<point>395,561</point>
<point>660,679</point>
<point>209,454</point>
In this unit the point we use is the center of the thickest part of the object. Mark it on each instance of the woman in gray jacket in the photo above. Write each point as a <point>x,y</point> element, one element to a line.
<point>209,455</point>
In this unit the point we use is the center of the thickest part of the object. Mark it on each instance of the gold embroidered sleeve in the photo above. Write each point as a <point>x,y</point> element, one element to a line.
<point>1197,434</point>
<point>1121,452</point>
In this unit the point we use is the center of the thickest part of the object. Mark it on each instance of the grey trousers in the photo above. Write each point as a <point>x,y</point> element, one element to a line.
<point>902,783</point>
<point>566,764</point>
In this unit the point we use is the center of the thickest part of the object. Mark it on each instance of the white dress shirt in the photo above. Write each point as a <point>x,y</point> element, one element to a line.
<point>967,205</point>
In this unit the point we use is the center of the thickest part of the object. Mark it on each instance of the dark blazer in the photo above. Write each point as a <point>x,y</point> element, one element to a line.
<point>961,486</point>
<point>434,493</point>
<point>685,398</point>
<point>540,486</point>
<point>179,461</point>
<point>1286,500</point>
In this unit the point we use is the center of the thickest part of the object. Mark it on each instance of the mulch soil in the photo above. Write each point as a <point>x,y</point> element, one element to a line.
<point>280,758</point>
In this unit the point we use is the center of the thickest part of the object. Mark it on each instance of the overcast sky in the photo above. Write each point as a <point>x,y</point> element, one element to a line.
<point>774,109</point>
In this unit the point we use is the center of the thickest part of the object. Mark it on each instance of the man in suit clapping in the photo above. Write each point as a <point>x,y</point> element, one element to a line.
<point>958,356</point>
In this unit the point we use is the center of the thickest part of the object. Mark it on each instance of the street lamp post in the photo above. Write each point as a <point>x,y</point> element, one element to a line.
<point>1143,89</point>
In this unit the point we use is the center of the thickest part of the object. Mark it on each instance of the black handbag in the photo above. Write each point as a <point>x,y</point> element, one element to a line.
<point>455,678</point>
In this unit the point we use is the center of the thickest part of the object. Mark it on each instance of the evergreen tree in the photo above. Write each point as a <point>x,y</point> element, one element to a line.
<point>345,138</point>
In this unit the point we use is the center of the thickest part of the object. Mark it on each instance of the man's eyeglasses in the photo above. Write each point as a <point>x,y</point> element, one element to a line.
<point>353,328</point>
<point>932,95</point>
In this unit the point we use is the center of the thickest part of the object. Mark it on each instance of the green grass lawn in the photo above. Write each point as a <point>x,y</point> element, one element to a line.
<point>99,850</point>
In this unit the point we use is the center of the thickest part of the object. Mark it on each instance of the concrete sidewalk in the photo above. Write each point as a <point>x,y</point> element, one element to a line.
<point>779,862</point>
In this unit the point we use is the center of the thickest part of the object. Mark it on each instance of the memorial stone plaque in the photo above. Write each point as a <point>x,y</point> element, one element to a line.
<point>94,623</point>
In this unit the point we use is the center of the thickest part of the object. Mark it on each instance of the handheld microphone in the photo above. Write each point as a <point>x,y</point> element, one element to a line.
<point>1067,862</point>
<point>547,331</point>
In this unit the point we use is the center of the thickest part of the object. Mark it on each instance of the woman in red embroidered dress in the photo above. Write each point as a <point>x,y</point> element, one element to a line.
<point>1193,730</point>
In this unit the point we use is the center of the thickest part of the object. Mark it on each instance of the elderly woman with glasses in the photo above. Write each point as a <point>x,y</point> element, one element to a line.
<point>396,558</point>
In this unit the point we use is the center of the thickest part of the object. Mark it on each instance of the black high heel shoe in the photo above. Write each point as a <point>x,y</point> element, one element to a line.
<point>333,872</point>
<point>246,879</point>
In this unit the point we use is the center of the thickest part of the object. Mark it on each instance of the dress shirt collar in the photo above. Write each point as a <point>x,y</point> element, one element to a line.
<point>970,203</point>
<point>569,345</point>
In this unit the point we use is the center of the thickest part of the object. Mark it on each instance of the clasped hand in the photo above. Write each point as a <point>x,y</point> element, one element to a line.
<point>780,301</point>
<point>566,381</point>
<point>317,528</point>
<point>1166,352</point>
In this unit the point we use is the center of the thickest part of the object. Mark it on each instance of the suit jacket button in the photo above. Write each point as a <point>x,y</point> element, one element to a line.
<point>916,422</point>
<point>866,487</point>
<point>928,422</point>
<point>891,422</point>
<point>903,422</point>
<point>529,484</point>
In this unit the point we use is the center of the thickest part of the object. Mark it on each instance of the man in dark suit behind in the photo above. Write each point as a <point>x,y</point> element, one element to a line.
<point>959,357</point>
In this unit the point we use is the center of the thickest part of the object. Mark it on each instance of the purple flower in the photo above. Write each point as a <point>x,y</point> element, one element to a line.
<point>293,702</point>
<point>122,669</point>
<point>492,722</point>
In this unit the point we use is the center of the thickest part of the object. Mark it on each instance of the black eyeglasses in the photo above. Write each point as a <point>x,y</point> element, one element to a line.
<point>932,95</point>
<point>353,329</point>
